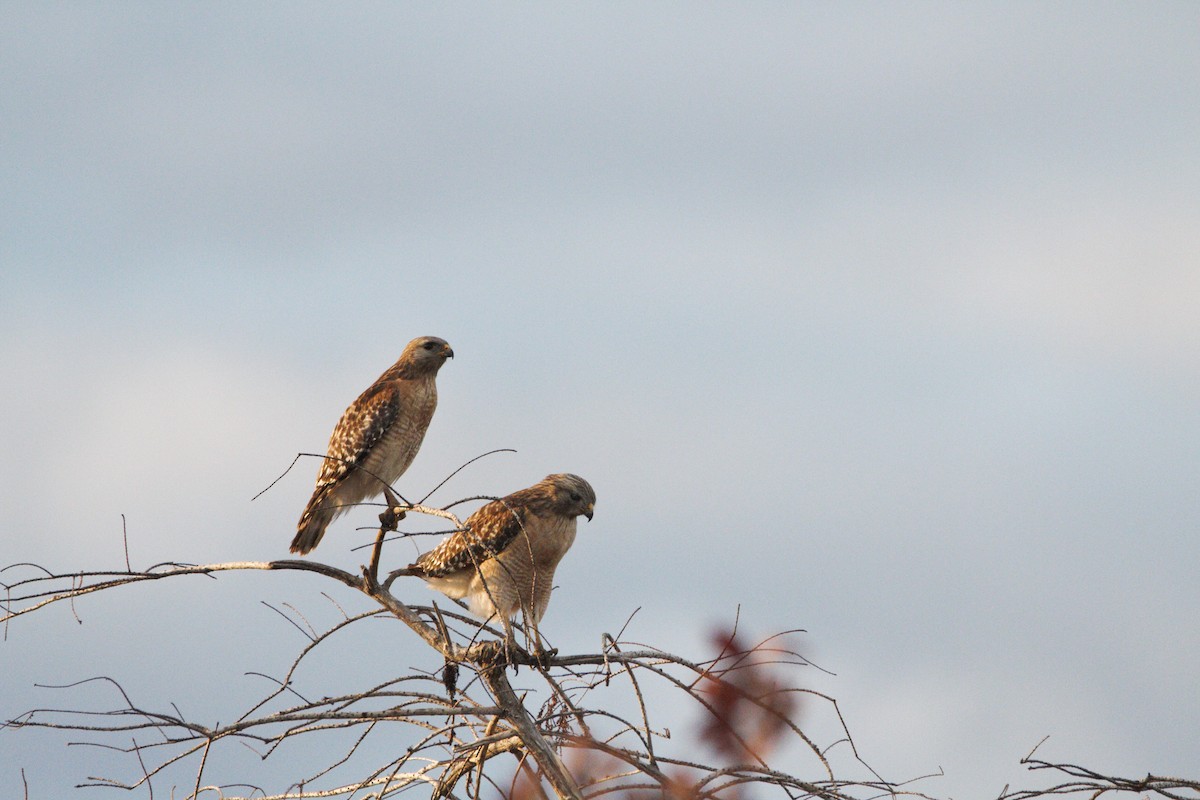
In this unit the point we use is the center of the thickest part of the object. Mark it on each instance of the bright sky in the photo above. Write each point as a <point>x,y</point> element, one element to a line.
<point>877,321</point>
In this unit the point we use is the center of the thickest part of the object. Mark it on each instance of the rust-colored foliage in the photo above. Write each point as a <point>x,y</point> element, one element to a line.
<point>595,771</point>
<point>750,710</point>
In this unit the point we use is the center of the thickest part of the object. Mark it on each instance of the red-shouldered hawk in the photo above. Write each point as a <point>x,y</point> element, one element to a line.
<point>376,438</point>
<point>503,559</point>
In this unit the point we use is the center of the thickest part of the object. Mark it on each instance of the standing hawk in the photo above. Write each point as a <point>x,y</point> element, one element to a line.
<point>376,438</point>
<point>503,559</point>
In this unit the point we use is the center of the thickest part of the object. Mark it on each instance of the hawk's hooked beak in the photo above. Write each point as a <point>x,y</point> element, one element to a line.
<point>448,352</point>
<point>588,513</point>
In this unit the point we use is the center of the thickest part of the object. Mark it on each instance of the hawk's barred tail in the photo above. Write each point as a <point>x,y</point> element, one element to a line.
<point>313,521</point>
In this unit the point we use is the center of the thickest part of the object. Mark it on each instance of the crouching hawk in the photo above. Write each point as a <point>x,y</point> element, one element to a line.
<point>502,561</point>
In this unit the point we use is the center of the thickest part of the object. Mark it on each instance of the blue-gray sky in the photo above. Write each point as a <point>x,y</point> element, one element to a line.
<point>877,320</point>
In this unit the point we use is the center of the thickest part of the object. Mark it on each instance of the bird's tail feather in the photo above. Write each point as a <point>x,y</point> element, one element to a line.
<point>316,517</point>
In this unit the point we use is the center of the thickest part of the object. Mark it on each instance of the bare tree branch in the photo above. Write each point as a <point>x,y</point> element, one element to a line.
<point>467,725</point>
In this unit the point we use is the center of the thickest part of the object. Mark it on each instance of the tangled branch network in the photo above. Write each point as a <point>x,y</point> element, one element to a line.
<point>494,719</point>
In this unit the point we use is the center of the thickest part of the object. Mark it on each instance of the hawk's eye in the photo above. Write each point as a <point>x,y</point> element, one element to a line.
<point>429,345</point>
<point>575,496</point>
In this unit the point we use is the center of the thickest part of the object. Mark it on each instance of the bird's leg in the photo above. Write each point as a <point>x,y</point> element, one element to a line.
<point>387,524</point>
<point>543,655</point>
<point>393,513</point>
<point>537,649</point>
<point>510,642</point>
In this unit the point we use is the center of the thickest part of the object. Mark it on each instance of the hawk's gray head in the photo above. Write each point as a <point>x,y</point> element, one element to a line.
<point>573,495</point>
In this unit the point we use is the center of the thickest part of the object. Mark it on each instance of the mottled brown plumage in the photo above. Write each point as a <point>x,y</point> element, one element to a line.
<point>376,439</point>
<point>503,560</point>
